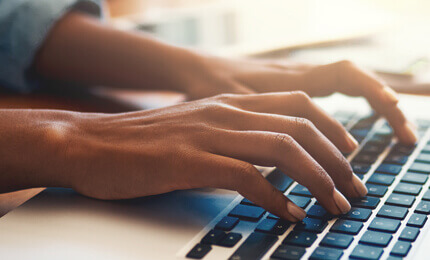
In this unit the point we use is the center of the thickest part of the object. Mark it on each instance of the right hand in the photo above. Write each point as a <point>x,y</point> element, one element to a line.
<point>213,142</point>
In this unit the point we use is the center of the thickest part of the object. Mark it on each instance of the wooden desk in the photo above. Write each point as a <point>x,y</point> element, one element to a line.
<point>100,101</point>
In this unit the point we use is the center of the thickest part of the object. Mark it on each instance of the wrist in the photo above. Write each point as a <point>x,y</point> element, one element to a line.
<point>33,142</point>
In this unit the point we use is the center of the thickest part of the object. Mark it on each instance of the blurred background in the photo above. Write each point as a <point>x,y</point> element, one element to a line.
<point>391,37</point>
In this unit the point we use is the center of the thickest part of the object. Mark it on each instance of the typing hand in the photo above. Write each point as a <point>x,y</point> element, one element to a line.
<point>214,142</point>
<point>216,75</point>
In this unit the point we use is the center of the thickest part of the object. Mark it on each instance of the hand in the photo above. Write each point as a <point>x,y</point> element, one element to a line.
<point>216,75</point>
<point>213,142</point>
<point>141,61</point>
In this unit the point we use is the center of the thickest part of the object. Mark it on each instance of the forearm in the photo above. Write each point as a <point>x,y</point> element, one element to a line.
<point>31,144</point>
<point>82,50</point>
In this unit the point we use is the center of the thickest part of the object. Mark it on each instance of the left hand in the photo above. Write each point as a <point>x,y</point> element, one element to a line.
<point>214,75</point>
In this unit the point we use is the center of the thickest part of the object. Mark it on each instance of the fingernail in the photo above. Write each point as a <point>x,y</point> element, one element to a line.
<point>294,210</point>
<point>390,94</point>
<point>341,202</point>
<point>352,143</point>
<point>359,187</point>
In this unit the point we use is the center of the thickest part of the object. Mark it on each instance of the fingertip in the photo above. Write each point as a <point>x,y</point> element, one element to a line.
<point>341,202</point>
<point>295,211</point>
<point>407,135</point>
<point>390,96</point>
<point>351,142</point>
<point>359,187</point>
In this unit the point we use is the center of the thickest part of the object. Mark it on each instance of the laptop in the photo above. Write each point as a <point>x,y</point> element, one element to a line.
<point>389,223</point>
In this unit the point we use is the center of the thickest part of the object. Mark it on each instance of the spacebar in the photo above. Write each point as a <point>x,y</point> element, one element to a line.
<point>254,247</point>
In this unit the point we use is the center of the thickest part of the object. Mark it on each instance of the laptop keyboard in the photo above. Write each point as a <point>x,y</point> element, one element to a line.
<point>385,223</point>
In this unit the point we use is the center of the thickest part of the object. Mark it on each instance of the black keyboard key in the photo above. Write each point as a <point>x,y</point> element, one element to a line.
<point>365,158</point>
<point>227,223</point>
<point>381,179</point>
<point>301,190</point>
<point>375,238</point>
<point>199,251</point>
<point>249,213</point>
<point>389,168</point>
<point>417,220</point>
<point>426,195</point>
<point>255,246</point>
<point>409,234</point>
<point>423,207</point>
<point>311,225</point>
<point>423,157</point>
<point>300,238</point>
<point>358,214</point>
<point>365,202</point>
<point>408,188</point>
<point>400,200</point>
<point>387,211</point>
<point>316,211</point>
<point>373,148</point>
<point>376,190</point>
<point>416,178</point>
<point>366,252</point>
<point>394,258</point>
<point>384,225</point>
<point>324,253</point>
<point>401,248</point>
<point>230,240</point>
<point>395,158</point>
<point>403,149</point>
<point>280,180</point>
<point>288,252</point>
<point>360,167</point>
<point>383,136</point>
<point>300,201</point>
<point>366,122</point>
<point>347,226</point>
<point>420,167</point>
<point>273,226</point>
<point>359,132</point>
<point>337,240</point>
<point>213,237</point>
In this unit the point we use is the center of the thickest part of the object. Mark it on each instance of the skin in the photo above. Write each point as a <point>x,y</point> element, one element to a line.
<point>267,119</point>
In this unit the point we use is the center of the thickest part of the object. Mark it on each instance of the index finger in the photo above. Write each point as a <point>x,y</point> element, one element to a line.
<point>380,97</point>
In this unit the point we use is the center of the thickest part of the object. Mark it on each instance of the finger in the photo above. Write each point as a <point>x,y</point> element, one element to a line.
<point>282,151</point>
<point>297,104</point>
<point>353,81</point>
<point>311,139</point>
<point>233,174</point>
<point>402,127</point>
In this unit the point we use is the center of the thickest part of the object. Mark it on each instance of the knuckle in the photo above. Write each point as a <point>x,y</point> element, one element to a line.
<point>345,63</point>
<point>226,97</point>
<point>284,142</point>
<point>244,169</point>
<point>344,66</point>
<point>217,108</point>
<point>240,173</point>
<point>304,102</point>
<point>303,125</point>
<point>301,96</point>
